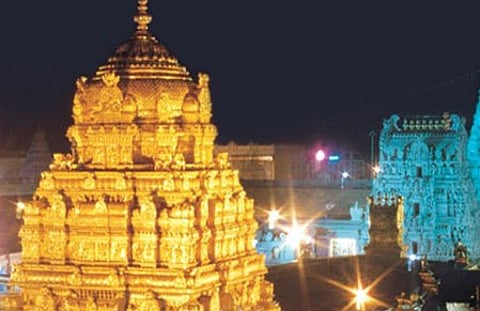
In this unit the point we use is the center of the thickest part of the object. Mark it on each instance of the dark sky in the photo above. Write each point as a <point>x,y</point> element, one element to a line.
<point>280,71</point>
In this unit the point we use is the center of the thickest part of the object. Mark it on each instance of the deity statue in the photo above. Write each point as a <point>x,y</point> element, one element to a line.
<point>356,212</point>
<point>100,206</point>
<point>460,253</point>
<point>222,160</point>
<point>58,207</point>
<point>91,304</point>
<point>46,300</point>
<point>204,97</point>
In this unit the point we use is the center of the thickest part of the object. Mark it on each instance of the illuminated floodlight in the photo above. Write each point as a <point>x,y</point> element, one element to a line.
<point>296,237</point>
<point>412,257</point>
<point>345,174</point>
<point>361,298</point>
<point>320,155</point>
<point>376,169</point>
<point>273,217</point>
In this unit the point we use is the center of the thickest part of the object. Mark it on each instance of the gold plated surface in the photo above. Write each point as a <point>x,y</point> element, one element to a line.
<point>142,56</point>
<point>140,215</point>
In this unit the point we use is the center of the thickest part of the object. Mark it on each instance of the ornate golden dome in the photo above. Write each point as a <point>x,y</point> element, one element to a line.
<point>142,56</point>
<point>144,100</point>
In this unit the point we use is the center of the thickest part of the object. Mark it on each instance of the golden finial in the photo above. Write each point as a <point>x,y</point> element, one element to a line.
<point>142,18</point>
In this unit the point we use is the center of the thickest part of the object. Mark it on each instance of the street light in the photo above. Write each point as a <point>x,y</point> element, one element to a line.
<point>320,155</point>
<point>345,175</point>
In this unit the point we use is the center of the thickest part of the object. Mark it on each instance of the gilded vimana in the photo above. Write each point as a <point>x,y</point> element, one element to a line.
<point>140,215</point>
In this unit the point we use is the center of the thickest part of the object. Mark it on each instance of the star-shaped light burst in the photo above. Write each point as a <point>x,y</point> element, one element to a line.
<point>361,297</point>
<point>360,293</point>
<point>296,235</point>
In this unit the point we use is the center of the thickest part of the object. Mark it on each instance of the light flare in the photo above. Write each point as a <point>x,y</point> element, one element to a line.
<point>20,206</point>
<point>273,217</point>
<point>296,235</point>
<point>320,155</point>
<point>359,292</point>
<point>361,297</point>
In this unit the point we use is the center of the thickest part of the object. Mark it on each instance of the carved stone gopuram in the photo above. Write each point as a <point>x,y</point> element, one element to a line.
<point>140,215</point>
<point>423,160</point>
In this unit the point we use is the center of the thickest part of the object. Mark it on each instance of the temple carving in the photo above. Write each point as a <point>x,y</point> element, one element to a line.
<point>140,215</point>
<point>423,159</point>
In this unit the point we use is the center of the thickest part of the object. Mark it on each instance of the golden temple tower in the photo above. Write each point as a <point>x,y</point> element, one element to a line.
<point>140,216</point>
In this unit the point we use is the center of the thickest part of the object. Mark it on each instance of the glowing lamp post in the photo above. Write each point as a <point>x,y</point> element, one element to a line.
<point>345,175</point>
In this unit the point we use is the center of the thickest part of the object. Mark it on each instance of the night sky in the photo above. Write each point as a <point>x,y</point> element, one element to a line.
<point>280,71</point>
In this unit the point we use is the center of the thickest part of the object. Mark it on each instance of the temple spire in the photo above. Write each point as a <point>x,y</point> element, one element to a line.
<point>142,18</point>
